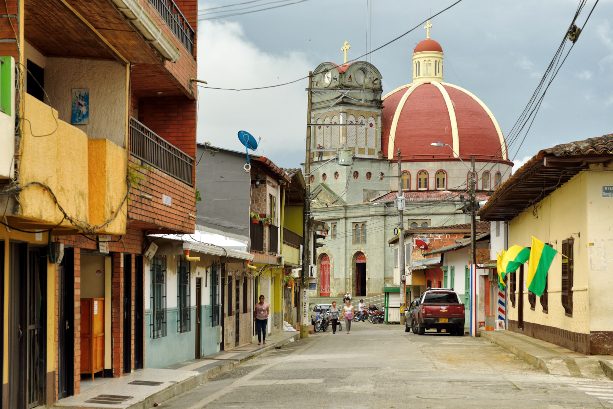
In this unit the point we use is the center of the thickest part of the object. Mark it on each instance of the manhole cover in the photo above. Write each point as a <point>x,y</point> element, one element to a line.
<point>145,383</point>
<point>109,399</point>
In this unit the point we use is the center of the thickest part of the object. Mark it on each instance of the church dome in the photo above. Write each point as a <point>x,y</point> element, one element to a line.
<point>428,45</point>
<point>421,113</point>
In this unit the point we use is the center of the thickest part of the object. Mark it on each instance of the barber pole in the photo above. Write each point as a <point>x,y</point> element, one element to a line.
<point>474,324</point>
<point>502,311</point>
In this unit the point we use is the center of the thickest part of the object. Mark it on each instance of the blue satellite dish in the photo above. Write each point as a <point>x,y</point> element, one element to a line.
<point>250,143</point>
<point>247,140</point>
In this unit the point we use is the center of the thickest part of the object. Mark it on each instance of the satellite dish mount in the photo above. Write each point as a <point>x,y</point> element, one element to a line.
<point>250,143</point>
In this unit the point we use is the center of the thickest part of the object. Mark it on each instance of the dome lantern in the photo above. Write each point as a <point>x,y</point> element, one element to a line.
<point>428,60</point>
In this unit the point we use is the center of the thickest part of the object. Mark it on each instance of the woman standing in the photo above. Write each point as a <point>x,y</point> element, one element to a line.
<point>334,316</point>
<point>348,315</point>
<point>260,316</point>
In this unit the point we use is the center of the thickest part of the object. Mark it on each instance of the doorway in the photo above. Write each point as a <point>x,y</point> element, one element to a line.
<point>27,326</point>
<point>198,315</point>
<point>2,323</point>
<point>127,313</point>
<point>520,306</point>
<point>139,313</point>
<point>65,325</point>
<point>360,275</point>
<point>324,271</point>
<point>237,311</point>
<point>222,315</point>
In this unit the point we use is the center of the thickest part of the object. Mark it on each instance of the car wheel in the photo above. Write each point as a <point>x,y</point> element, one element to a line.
<point>421,330</point>
<point>413,327</point>
<point>438,330</point>
<point>459,331</point>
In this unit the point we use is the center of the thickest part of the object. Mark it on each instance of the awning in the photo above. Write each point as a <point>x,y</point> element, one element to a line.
<point>204,243</point>
<point>425,263</point>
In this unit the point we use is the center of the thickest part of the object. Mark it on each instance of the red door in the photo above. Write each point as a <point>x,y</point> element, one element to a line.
<point>324,281</point>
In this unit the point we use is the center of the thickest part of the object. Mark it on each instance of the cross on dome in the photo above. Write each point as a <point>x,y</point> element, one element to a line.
<point>345,48</point>
<point>428,26</point>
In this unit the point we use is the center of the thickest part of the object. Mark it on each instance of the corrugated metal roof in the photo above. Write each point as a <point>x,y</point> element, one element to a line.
<point>457,245</point>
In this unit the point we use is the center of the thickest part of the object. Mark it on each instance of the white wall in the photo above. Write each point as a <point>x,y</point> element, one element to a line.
<point>459,260</point>
<point>106,81</point>
<point>498,240</point>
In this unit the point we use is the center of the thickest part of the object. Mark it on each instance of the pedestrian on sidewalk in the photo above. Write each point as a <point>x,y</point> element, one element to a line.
<point>334,316</point>
<point>348,315</point>
<point>260,317</point>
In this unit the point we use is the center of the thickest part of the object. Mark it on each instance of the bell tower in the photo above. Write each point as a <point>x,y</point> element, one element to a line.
<point>428,60</point>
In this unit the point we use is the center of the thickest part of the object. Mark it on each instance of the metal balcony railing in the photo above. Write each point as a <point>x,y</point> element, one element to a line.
<point>176,21</point>
<point>152,149</point>
<point>273,239</point>
<point>256,234</point>
<point>292,239</point>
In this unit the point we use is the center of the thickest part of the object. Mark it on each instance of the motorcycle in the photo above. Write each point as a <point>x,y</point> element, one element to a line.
<point>360,316</point>
<point>322,322</point>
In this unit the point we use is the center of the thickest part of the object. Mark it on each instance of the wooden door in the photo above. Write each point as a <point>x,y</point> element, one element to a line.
<point>520,306</point>
<point>127,313</point>
<point>36,326</point>
<point>324,282</point>
<point>198,315</point>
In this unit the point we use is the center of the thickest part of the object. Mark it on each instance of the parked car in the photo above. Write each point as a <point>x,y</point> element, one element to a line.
<point>409,314</point>
<point>439,308</point>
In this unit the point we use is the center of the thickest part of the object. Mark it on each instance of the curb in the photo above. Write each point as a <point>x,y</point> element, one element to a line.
<point>531,359</point>
<point>191,383</point>
<point>606,368</point>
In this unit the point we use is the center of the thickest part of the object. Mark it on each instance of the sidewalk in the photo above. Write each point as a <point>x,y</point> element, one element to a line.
<point>552,358</point>
<point>143,388</point>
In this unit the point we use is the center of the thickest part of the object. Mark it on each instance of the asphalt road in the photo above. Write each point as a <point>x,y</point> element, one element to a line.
<point>379,366</point>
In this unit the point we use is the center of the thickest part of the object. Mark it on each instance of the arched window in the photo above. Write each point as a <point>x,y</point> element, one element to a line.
<point>441,179</point>
<point>351,132</point>
<point>422,180</point>
<point>424,225</point>
<point>363,231</point>
<point>361,132</point>
<point>368,175</point>
<point>371,133</point>
<point>498,179</point>
<point>335,133</point>
<point>356,234</point>
<point>356,174</point>
<point>324,177</point>
<point>327,134</point>
<point>485,180</point>
<point>336,175</point>
<point>414,225</point>
<point>405,179</point>
<point>334,230</point>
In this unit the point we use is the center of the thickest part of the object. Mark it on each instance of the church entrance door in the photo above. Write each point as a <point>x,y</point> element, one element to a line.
<point>360,275</point>
<point>324,282</point>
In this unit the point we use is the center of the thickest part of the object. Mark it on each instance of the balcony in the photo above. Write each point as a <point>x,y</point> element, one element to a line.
<point>256,234</point>
<point>153,150</point>
<point>292,239</point>
<point>273,239</point>
<point>291,247</point>
<point>176,21</point>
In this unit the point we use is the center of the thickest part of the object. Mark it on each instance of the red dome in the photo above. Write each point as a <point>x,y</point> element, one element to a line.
<point>426,117</point>
<point>428,45</point>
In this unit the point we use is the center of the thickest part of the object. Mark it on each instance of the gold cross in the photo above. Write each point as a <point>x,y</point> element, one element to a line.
<point>345,48</point>
<point>428,27</point>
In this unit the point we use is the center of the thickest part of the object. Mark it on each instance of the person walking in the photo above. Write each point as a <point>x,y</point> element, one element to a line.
<point>334,313</point>
<point>348,315</point>
<point>260,317</point>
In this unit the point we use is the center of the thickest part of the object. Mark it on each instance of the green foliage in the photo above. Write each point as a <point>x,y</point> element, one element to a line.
<point>135,177</point>
<point>198,198</point>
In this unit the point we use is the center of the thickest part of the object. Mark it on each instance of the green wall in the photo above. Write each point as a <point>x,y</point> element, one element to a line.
<point>293,219</point>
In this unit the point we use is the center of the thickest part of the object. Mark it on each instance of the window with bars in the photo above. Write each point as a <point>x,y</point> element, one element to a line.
<point>512,289</point>
<point>359,233</point>
<point>215,301</point>
<point>158,297</point>
<point>567,276</point>
<point>422,180</point>
<point>183,296</point>
<point>245,298</point>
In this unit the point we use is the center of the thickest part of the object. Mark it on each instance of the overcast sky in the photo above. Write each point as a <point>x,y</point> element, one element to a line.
<point>498,50</point>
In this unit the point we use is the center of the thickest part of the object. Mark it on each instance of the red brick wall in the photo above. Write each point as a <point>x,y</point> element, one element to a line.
<point>132,242</point>
<point>172,118</point>
<point>6,31</point>
<point>153,214</point>
<point>77,321</point>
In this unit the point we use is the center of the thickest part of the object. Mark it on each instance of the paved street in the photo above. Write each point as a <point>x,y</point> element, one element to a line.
<point>379,366</point>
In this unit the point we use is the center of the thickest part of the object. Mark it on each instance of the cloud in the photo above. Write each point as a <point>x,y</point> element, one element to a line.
<point>584,75</point>
<point>524,63</point>
<point>519,163</point>
<point>606,37</point>
<point>227,59</point>
<point>609,101</point>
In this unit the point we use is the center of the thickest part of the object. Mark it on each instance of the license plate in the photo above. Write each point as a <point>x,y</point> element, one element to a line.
<point>443,320</point>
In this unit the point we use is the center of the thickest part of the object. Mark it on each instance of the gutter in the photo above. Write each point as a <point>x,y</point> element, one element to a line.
<point>141,19</point>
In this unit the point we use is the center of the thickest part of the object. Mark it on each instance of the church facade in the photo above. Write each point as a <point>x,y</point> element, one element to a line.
<point>358,201</point>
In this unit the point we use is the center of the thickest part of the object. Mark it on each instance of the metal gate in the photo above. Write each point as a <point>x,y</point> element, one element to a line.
<point>237,311</point>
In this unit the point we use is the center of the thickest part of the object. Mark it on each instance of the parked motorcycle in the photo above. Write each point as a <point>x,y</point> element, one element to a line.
<point>322,322</point>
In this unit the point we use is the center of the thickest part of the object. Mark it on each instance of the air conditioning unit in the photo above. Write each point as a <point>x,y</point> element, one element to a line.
<point>150,250</point>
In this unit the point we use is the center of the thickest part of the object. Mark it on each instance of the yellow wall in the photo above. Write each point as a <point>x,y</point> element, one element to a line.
<point>560,216</point>
<point>107,184</point>
<point>290,254</point>
<point>293,219</point>
<point>58,160</point>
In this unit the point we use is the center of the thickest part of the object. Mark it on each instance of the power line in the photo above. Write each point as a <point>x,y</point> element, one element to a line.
<point>253,11</point>
<point>240,9</point>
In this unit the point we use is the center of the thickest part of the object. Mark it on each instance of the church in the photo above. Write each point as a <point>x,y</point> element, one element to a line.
<point>358,201</point>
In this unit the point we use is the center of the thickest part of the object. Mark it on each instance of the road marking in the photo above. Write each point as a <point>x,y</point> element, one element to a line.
<point>282,382</point>
<point>247,378</point>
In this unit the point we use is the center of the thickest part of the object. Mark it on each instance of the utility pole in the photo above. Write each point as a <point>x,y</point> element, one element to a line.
<point>401,262</point>
<point>306,250</point>
<point>473,247</point>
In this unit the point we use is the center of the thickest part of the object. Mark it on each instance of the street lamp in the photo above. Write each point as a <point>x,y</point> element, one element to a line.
<point>473,244</point>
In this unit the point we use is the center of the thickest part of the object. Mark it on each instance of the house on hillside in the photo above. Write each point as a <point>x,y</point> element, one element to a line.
<point>563,196</point>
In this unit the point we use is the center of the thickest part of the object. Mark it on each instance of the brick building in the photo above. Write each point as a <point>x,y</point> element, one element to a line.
<point>103,153</point>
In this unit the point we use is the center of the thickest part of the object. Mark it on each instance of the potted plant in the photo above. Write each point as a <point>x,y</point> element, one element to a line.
<point>289,281</point>
<point>255,218</point>
<point>267,221</point>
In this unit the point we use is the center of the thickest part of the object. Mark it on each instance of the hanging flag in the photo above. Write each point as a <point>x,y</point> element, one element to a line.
<point>513,258</point>
<point>500,270</point>
<point>541,257</point>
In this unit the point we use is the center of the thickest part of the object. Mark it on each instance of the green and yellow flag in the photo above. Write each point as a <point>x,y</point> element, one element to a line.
<point>541,257</point>
<point>513,258</point>
<point>499,269</point>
